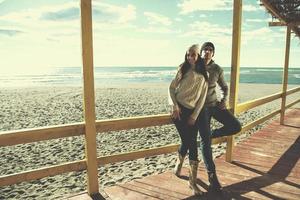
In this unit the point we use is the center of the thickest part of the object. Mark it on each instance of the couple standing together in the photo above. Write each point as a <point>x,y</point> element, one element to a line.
<point>194,100</point>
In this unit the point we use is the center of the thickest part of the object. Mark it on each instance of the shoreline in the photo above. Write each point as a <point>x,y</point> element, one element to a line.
<point>37,107</point>
<point>131,85</point>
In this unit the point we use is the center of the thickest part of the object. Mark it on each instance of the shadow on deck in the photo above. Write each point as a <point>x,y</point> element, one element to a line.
<point>265,166</point>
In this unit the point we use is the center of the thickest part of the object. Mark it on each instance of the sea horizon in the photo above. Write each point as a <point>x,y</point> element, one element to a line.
<point>120,75</point>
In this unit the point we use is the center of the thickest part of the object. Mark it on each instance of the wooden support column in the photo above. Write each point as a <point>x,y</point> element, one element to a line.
<point>285,73</point>
<point>89,97</point>
<point>235,67</point>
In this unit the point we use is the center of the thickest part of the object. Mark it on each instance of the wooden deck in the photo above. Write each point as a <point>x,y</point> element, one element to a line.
<point>265,166</point>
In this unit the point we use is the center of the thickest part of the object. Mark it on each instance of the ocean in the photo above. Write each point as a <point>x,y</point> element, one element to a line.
<point>118,76</point>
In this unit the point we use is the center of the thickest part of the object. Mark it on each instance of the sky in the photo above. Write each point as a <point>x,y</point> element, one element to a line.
<point>39,34</point>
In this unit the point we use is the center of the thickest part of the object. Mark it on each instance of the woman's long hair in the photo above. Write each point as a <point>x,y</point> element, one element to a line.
<point>199,68</point>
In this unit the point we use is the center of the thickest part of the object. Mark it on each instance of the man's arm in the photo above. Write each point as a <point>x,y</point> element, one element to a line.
<point>224,87</point>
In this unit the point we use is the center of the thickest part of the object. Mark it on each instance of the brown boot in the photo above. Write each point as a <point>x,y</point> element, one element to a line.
<point>178,165</point>
<point>193,177</point>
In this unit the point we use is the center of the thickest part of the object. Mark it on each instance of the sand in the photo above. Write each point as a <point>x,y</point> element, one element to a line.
<point>23,108</point>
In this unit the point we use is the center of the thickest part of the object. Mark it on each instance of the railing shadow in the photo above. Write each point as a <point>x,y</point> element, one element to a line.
<point>280,170</point>
<point>292,126</point>
<point>289,122</point>
<point>99,196</point>
<point>278,173</point>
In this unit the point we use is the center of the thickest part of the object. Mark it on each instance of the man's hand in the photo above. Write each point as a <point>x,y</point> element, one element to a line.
<point>191,121</point>
<point>222,105</point>
<point>176,113</point>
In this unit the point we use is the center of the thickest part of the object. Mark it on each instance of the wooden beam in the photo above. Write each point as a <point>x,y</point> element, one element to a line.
<point>24,136</point>
<point>260,101</point>
<point>292,104</point>
<point>81,164</point>
<point>138,154</point>
<point>277,23</point>
<point>235,54</point>
<point>293,90</point>
<point>235,67</point>
<point>285,73</point>
<point>257,102</point>
<point>89,96</point>
<point>219,140</point>
<point>282,23</point>
<point>8,138</point>
<point>42,172</point>
<point>259,121</point>
<point>146,153</point>
<point>133,122</point>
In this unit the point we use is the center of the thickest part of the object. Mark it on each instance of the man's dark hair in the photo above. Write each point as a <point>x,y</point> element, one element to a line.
<point>208,44</point>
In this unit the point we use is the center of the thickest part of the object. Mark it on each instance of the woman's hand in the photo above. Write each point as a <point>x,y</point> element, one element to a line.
<point>191,121</point>
<point>222,105</point>
<point>176,113</point>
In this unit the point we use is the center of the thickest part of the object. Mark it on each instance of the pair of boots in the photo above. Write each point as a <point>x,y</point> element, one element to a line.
<point>192,173</point>
<point>214,184</point>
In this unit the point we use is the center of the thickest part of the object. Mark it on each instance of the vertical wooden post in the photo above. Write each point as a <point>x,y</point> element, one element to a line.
<point>89,96</point>
<point>235,67</point>
<point>285,73</point>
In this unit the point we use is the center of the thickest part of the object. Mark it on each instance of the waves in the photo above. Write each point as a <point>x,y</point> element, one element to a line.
<point>72,76</point>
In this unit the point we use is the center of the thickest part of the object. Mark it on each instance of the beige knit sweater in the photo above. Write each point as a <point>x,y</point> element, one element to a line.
<point>190,91</point>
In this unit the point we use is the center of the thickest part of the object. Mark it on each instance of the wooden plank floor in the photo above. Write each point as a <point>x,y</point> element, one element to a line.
<point>265,166</point>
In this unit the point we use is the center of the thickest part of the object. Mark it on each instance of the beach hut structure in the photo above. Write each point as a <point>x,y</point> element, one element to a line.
<point>287,13</point>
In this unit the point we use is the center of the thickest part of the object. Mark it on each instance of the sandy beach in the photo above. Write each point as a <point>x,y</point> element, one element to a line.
<point>23,108</point>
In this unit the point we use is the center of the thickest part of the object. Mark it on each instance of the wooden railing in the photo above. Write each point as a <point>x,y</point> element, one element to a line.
<point>9,138</point>
<point>88,128</point>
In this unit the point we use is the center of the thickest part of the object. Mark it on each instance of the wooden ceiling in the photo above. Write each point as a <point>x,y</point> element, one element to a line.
<point>286,11</point>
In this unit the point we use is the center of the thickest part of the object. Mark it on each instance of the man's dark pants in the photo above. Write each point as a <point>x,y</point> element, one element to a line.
<point>230,126</point>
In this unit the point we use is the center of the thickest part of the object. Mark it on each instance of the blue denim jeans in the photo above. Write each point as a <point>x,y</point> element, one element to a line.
<point>205,145</point>
<point>230,123</point>
<point>188,134</point>
<point>230,126</point>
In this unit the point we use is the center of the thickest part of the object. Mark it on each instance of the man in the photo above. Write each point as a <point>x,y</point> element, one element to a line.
<point>216,109</point>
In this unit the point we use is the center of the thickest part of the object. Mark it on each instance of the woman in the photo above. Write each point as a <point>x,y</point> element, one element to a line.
<point>188,93</point>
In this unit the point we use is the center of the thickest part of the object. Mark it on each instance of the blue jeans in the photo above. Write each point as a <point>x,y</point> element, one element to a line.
<point>188,134</point>
<point>230,123</point>
<point>230,126</point>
